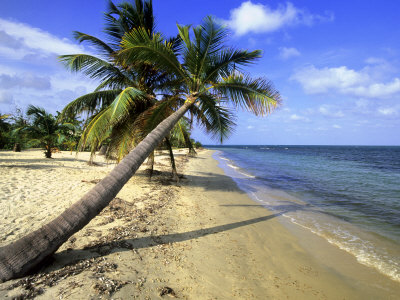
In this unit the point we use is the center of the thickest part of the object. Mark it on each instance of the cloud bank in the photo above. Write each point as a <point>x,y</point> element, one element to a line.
<point>18,40</point>
<point>27,53</point>
<point>259,18</point>
<point>345,81</point>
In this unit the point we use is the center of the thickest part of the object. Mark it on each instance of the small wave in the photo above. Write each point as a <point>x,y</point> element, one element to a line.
<point>247,175</point>
<point>364,251</point>
<point>236,168</point>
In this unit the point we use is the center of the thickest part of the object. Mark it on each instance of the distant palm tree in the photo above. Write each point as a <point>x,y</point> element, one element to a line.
<point>209,79</point>
<point>45,130</point>
<point>4,129</point>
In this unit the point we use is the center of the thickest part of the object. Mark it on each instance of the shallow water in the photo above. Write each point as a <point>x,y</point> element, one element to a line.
<point>349,195</point>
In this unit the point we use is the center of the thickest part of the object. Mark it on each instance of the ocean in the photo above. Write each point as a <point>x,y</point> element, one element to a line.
<point>348,195</point>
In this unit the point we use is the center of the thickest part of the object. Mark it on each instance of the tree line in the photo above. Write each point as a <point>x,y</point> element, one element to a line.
<point>39,128</point>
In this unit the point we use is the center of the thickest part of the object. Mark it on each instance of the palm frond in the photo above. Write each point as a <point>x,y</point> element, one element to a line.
<point>138,45</point>
<point>129,99</point>
<point>209,40</point>
<point>224,63</point>
<point>91,66</point>
<point>150,118</point>
<point>255,95</point>
<point>125,16</point>
<point>97,43</point>
<point>113,83</point>
<point>96,131</point>
<point>214,118</point>
<point>89,103</point>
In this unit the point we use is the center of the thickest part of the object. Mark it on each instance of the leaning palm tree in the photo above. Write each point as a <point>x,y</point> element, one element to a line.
<point>210,79</point>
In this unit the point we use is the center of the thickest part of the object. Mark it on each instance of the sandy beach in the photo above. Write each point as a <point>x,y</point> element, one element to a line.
<point>201,238</point>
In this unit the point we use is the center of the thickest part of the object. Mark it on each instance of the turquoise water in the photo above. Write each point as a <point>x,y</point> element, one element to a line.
<point>349,195</point>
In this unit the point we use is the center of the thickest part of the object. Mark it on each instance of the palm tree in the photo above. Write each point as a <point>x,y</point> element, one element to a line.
<point>119,108</point>
<point>45,130</point>
<point>4,130</point>
<point>210,79</point>
<point>125,93</point>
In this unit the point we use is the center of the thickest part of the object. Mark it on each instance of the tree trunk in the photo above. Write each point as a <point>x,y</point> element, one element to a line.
<point>17,147</point>
<point>103,150</point>
<point>47,153</point>
<point>171,155</point>
<point>18,258</point>
<point>150,164</point>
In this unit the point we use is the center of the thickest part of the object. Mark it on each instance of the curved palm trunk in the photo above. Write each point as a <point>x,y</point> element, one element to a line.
<point>17,258</point>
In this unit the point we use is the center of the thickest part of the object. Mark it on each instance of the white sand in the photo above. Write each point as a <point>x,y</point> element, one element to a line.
<point>35,190</point>
<point>203,238</point>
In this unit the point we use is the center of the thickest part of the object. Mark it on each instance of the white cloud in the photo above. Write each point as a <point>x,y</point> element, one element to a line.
<point>296,117</point>
<point>24,39</point>
<point>330,111</point>
<point>257,18</point>
<point>388,111</point>
<point>375,60</point>
<point>345,81</point>
<point>30,69</point>
<point>336,126</point>
<point>286,53</point>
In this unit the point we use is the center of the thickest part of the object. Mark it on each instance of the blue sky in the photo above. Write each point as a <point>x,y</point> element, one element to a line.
<point>336,63</point>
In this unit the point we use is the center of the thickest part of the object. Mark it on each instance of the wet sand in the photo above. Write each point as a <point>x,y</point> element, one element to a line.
<point>202,238</point>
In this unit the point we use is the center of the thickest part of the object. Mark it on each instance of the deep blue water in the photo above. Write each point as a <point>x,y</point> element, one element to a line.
<point>349,195</point>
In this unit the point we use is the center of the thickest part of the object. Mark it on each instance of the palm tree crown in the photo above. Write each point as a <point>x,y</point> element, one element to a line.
<point>209,73</point>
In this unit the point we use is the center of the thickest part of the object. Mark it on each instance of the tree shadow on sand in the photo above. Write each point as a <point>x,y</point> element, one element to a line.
<point>101,249</point>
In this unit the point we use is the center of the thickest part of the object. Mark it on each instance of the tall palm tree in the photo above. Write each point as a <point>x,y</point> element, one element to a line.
<point>118,83</point>
<point>210,79</point>
<point>118,106</point>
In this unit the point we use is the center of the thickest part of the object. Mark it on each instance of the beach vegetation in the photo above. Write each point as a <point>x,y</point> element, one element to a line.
<point>5,127</point>
<point>45,131</point>
<point>10,137</point>
<point>209,83</point>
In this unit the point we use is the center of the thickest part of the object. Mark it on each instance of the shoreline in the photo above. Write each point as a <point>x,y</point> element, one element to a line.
<point>305,265</point>
<point>203,238</point>
<point>370,248</point>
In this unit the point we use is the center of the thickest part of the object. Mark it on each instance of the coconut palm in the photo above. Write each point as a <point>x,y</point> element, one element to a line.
<point>45,130</point>
<point>117,107</point>
<point>210,80</point>
<point>117,82</point>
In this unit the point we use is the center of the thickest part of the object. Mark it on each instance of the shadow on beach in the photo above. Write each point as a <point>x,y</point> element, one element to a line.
<point>71,256</point>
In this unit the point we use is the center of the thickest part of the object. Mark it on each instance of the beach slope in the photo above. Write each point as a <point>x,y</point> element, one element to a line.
<point>201,238</point>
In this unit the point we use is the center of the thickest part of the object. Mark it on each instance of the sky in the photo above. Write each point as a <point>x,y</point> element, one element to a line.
<point>335,63</point>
